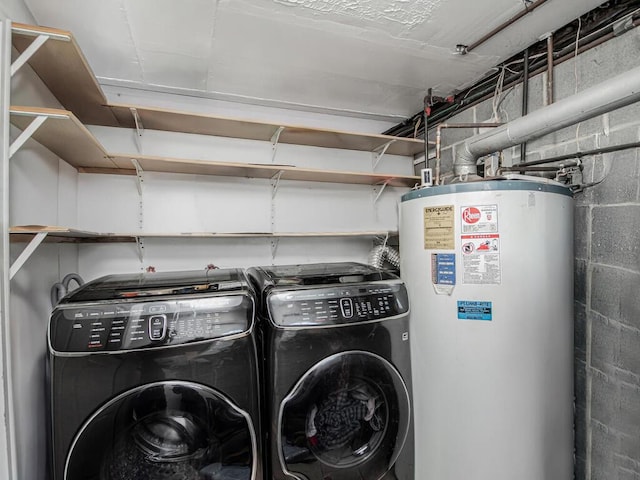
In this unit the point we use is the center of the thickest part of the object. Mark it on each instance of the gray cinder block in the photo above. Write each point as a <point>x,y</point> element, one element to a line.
<point>614,236</point>
<point>605,402</point>
<point>629,361</point>
<point>605,343</point>
<point>580,331</point>
<point>581,218</point>
<point>604,444</point>
<point>605,290</point>
<point>620,179</point>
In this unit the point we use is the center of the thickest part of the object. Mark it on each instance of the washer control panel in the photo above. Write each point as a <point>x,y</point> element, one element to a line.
<point>130,326</point>
<point>337,305</point>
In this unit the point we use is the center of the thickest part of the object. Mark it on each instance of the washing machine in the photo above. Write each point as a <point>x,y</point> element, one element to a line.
<point>155,376</point>
<point>337,372</point>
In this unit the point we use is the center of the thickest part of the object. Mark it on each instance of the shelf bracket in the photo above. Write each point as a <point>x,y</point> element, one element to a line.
<point>139,128</point>
<point>139,184</point>
<point>26,134</point>
<point>380,151</point>
<point>28,53</point>
<point>139,175</point>
<point>140,247</point>
<point>275,183</point>
<point>26,253</point>
<point>275,138</point>
<point>384,185</point>
<point>275,243</point>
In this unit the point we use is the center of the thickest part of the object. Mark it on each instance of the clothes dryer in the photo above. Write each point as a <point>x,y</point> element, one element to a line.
<point>337,372</point>
<point>154,376</point>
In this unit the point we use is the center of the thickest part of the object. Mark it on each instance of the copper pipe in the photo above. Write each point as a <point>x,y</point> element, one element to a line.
<point>550,69</point>
<point>525,98</point>
<point>504,25</point>
<point>425,116</point>
<point>442,126</point>
<point>438,136</point>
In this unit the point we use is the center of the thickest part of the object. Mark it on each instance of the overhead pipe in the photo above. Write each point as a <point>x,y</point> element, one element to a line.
<point>581,154</point>
<point>611,94</point>
<point>527,9</point>
<point>550,69</point>
<point>525,98</point>
<point>425,116</point>
<point>586,43</point>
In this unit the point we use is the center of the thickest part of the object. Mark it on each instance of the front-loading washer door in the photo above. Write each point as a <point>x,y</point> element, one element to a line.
<point>347,418</point>
<point>165,430</point>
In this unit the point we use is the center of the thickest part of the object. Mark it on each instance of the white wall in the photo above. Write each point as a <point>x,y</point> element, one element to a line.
<point>16,11</point>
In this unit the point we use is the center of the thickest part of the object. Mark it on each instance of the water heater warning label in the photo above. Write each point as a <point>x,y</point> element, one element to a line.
<point>471,310</point>
<point>481,259</point>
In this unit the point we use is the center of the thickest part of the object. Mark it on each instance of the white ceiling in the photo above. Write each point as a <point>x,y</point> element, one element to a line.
<point>366,56</point>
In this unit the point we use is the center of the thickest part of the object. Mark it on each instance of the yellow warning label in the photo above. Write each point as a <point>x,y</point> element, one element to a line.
<point>439,224</point>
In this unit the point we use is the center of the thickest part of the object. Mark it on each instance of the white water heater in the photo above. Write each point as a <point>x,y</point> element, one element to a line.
<point>489,269</point>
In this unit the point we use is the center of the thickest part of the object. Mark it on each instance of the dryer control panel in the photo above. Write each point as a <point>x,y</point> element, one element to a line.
<point>121,326</point>
<point>337,305</point>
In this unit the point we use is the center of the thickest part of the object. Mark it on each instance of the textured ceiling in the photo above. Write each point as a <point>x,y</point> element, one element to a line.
<point>368,56</point>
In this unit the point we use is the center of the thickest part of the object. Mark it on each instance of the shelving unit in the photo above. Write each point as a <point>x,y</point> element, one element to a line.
<point>57,59</point>
<point>67,137</point>
<point>60,64</point>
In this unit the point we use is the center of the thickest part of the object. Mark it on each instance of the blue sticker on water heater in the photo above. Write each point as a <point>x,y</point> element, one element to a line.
<point>473,310</point>
<point>443,268</point>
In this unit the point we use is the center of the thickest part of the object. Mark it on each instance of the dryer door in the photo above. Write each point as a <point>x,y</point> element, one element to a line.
<point>347,418</point>
<point>165,430</point>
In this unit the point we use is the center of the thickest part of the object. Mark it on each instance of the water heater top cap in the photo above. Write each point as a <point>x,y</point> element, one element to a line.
<point>490,185</point>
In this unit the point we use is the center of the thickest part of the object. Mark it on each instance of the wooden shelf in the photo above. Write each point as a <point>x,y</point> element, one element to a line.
<point>176,121</point>
<point>63,68</point>
<point>252,170</point>
<point>65,71</point>
<point>67,137</point>
<point>57,234</point>
<point>64,135</point>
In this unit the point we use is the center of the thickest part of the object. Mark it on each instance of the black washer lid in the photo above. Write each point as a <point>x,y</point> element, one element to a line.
<point>149,285</point>
<point>320,274</point>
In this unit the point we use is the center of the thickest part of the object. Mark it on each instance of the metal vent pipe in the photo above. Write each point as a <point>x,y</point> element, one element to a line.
<point>607,96</point>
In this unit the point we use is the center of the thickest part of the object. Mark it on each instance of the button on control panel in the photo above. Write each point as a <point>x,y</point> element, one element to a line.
<point>157,327</point>
<point>346,307</point>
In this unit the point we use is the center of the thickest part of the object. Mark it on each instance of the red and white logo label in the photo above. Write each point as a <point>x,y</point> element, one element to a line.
<point>471,215</point>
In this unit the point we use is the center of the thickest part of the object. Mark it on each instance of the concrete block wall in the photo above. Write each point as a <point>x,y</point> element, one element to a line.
<point>607,254</point>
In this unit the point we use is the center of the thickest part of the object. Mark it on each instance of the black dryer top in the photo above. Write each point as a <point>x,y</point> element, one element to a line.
<point>149,285</point>
<point>320,274</point>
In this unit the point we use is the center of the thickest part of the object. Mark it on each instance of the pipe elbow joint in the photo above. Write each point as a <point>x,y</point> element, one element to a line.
<point>465,161</point>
